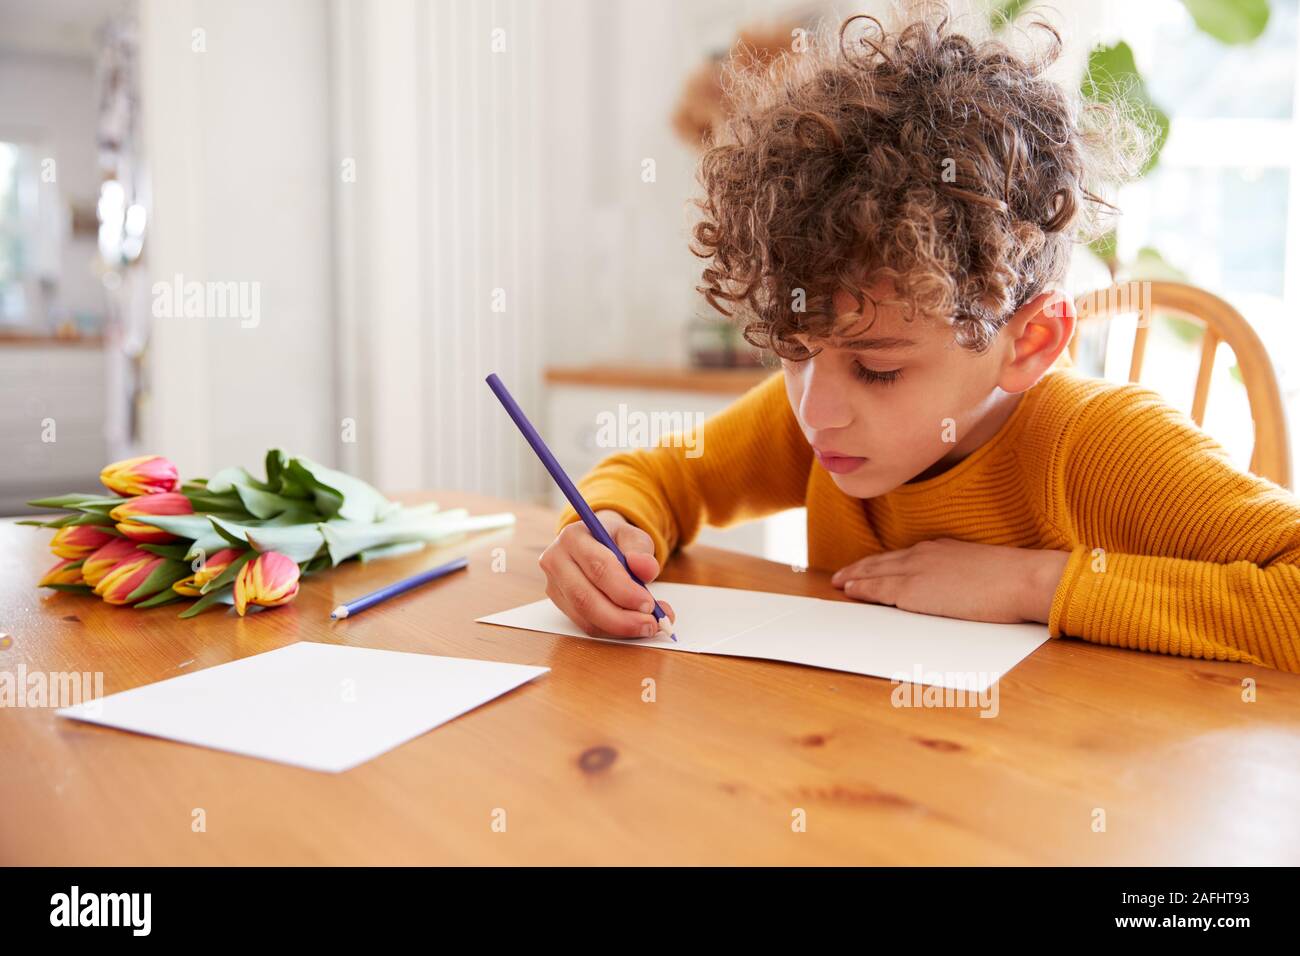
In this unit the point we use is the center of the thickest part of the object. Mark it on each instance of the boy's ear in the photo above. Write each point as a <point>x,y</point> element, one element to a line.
<point>1035,337</point>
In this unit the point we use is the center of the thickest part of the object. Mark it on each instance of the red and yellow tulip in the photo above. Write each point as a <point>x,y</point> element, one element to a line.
<point>116,586</point>
<point>270,579</point>
<point>162,503</point>
<point>146,475</point>
<point>62,574</point>
<point>210,571</point>
<point>79,540</point>
<point>102,561</point>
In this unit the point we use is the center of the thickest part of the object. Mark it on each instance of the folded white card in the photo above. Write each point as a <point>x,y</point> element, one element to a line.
<point>320,706</point>
<point>836,635</point>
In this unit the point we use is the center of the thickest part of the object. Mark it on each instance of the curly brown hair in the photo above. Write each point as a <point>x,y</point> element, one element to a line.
<point>954,169</point>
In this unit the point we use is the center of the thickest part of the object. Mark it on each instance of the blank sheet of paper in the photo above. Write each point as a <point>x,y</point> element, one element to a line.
<point>836,635</point>
<point>319,706</point>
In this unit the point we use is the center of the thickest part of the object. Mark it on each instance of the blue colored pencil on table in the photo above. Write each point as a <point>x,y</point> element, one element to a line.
<point>401,587</point>
<point>570,490</point>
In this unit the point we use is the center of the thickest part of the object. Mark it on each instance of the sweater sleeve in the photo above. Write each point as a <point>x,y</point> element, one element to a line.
<point>1175,550</point>
<point>747,461</point>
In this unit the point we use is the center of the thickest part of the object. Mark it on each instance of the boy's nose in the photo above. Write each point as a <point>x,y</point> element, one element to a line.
<point>824,403</point>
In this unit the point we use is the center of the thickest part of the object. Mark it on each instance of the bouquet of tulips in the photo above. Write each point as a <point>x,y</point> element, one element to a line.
<point>232,538</point>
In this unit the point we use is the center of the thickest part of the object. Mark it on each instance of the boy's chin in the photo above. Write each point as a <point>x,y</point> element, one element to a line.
<point>864,483</point>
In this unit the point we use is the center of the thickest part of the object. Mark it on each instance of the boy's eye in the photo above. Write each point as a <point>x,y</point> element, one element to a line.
<point>874,377</point>
<point>795,351</point>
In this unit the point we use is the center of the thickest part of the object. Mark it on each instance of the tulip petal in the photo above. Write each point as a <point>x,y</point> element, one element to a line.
<point>62,573</point>
<point>145,475</point>
<point>78,541</point>
<point>269,580</point>
<point>117,586</point>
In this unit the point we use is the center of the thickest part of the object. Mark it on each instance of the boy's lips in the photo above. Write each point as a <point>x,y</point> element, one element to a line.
<point>836,463</point>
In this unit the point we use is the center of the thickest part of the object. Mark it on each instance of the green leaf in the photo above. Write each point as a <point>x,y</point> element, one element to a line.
<point>1006,12</point>
<point>72,588</point>
<point>1230,21</point>
<point>166,596</point>
<point>265,504</point>
<point>230,505</point>
<point>183,526</point>
<point>230,478</point>
<point>339,495</point>
<point>1106,247</point>
<point>70,501</point>
<point>160,578</point>
<point>275,465</point>
<point>173,552</point>
<point>298,542</point>
<point>228,576</point>
<point>318,563</point>
<point>59,522</point>
<point>345,539</point>
<point>390,551</point>
<point>292,487</point>
<point>232,532</point>
<point>1112,77</point>
<point>75,518</point>
<point>95,518</point>
<point>96,504</point>
<point>225,596</point>
<point>1150,264</point>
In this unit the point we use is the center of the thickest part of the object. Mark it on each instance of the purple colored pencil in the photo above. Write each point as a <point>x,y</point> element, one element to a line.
<point>383,594</point>
<point>568,487</point>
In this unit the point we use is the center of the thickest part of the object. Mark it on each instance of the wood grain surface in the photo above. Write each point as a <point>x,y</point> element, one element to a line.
<point>715,770</point>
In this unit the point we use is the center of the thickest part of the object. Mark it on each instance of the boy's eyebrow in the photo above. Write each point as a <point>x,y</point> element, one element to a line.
<point>879,342</point>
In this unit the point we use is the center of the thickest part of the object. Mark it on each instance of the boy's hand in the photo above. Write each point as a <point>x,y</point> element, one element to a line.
<point>974,582</point>
<point>587,583</point>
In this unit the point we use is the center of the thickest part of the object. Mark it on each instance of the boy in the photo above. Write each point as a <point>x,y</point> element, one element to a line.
<point>892,216</point>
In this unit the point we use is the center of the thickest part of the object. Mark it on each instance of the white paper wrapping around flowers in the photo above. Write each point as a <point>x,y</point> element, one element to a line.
<point>320,706</point>
<point>836,635</point>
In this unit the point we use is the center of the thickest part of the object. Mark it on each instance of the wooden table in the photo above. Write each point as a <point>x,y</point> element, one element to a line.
<point>712,771</point>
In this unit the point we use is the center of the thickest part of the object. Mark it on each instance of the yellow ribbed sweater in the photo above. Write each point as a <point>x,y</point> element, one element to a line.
<point>1173,549</point>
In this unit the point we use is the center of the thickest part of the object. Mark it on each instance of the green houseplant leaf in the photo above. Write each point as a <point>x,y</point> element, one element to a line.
<point>1230,21</point>
<point>1113,77</point>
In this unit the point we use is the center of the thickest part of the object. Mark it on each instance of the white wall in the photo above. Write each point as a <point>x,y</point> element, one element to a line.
<point>237,143</point>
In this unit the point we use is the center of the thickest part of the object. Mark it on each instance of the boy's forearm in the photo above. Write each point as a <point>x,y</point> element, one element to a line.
<point>1233,612</point>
